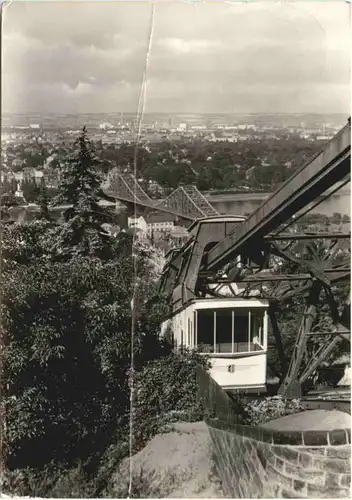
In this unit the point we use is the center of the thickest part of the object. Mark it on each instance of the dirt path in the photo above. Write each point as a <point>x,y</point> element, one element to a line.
<point>177,464</point>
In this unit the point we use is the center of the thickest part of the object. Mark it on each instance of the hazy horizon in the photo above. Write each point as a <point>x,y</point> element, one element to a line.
<point>175,113</point>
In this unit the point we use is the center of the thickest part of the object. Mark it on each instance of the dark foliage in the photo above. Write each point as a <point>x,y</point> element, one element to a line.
<point>257,164</point>
<point>66,337</point>
<point>166,391</point>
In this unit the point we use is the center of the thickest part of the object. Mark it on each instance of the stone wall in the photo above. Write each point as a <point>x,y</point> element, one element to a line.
<point>256,463</point>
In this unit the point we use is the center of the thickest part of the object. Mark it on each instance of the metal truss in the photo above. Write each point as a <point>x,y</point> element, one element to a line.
<point>131,182</point>
<point>202,203</point>
<point>188,202</point>
<point>125,187</point>
<point>185,202</point>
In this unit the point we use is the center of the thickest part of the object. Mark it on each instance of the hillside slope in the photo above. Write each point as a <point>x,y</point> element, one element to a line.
<point>177,464</point>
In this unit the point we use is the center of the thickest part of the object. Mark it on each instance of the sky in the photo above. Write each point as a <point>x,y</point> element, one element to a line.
<point>198,56</point>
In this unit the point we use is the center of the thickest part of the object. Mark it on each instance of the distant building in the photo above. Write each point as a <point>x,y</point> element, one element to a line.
<point>182,127</point>
<point>17,163</point>
<point>161,221</point>
<point>137,223</point>
<point>19,192</point>
<point>38,176</point>
<point>106,126</point>
<point>324,137</point>
<point>19,176</point>
<point>111,229</point>
<point>179,235</point>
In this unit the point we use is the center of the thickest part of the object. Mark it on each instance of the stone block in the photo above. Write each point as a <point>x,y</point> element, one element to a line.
<point>318,450</point>
<point>342,452</point>
<point>305,460</point>
<point>288,493</point>
<point>279,464</point>
<point>332,480</point>
<point>315,438</point>
<point>335,465</point>
<point>348,433</point>
<point>277,491</point>
<point>272,474</point>
<point>277,477</point>
<point>287,453</point>
<point>318,491</point>
<point>285,480</point>
<point>344,493</point>
<point>312,476</point>
<point>270,457</point>
<point>337,437</point>
<point>292,469</point>
<point>299,486</point>
<point>345,480</point>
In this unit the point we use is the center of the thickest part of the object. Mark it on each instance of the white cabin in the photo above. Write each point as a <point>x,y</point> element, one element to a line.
<point>233,332</point>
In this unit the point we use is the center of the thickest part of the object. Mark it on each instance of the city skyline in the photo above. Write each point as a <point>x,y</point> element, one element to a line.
<point>204,58</point>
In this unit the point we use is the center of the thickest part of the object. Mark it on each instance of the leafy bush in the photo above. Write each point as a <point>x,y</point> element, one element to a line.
<point>166,392</point>
<point>260,411</point>
<point>52,482</point>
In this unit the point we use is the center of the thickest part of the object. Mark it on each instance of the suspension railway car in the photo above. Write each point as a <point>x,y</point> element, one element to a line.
<point>232,332</point>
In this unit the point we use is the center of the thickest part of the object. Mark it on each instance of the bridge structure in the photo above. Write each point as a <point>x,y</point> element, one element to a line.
<point>267,255</point>
<point>185,202</point>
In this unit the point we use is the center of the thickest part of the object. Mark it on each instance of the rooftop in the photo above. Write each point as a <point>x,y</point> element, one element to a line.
<point>161,217</point>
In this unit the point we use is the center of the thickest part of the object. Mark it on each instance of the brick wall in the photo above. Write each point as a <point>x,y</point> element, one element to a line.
<point>256,463</point>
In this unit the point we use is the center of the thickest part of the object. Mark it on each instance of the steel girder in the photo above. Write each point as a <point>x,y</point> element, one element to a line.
<point>185,202</point>
<point>189,203</point>
<point>124,187</point>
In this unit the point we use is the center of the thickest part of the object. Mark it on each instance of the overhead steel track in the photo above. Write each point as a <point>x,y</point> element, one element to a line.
<point>329,167</point>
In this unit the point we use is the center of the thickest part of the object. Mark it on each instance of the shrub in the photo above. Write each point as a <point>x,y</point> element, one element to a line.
<point>166,392</point>
<point>261,411</point>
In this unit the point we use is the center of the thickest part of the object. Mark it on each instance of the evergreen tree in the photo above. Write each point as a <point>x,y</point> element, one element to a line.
<point>43,202</point>
<point>30,190</point>
<point>81,232</point>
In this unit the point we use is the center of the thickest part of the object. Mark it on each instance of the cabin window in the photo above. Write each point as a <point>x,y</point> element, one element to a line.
<point>230,330</point>
<point>223,339</point>
<point>205,330</point>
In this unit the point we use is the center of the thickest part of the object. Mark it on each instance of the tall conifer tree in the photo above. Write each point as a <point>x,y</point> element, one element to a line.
<point>43,202</point>
<point>80,187</point>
